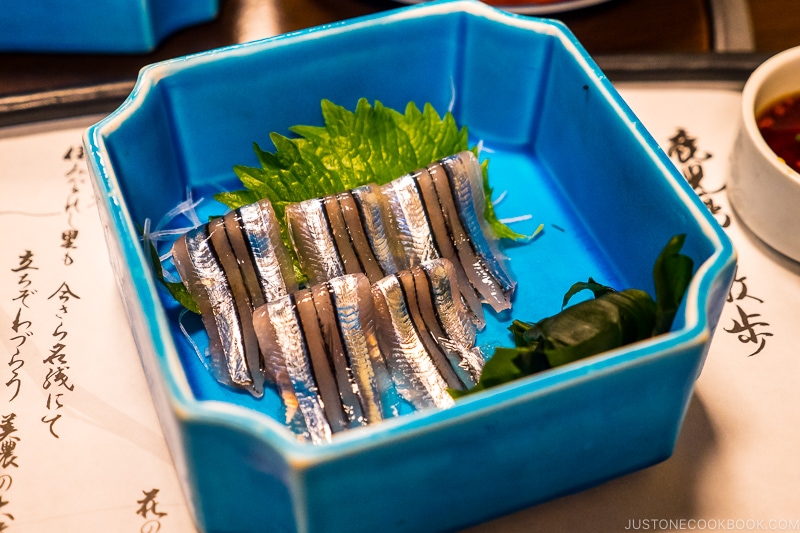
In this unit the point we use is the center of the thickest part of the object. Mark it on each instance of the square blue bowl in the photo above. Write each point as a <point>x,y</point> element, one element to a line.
<point>567,150</point>
<point>91,26</point>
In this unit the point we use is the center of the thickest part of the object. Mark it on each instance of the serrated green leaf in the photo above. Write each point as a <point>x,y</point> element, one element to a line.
<point>373,144</point>
<point>236,199</point>
<point>501,231</point>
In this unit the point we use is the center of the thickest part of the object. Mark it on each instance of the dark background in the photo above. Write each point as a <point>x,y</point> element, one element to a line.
<point>616,27</point>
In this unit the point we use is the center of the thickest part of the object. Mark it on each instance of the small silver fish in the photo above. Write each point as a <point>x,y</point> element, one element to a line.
<point>459,189</point>
<point>272,264</point>
<point>282,341</point>
<point>459,339</point>
<point>369,204</point>
<point>322,347</point>
<point>205,280</point>
<point>466,179</point>
<point>230,266</point>
<point>354,313</point>
<point>444,242</point>
<point>410,230</point>
<point>312,237</point>
<point>415,375</point>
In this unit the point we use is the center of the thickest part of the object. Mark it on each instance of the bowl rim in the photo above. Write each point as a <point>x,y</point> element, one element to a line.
<point>752,87</point>
<point>695,332</point>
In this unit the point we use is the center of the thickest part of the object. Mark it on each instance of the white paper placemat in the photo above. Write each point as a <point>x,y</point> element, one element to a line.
<point>81,446</point>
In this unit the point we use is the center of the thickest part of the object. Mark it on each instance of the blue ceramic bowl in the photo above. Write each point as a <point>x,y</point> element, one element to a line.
<point>104,26</point>
<point>567,150</point>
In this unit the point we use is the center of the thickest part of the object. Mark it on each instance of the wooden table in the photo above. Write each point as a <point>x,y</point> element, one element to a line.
<point>619,26</point>
<point>617,33</point>
<point>616,27</point>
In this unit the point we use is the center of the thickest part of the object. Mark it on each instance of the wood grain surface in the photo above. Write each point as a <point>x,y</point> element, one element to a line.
<point>612,27</point>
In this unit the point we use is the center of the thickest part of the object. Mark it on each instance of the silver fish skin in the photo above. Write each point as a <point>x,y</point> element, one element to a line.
<point>410,227</point>
<point>474,266</point>
<point>229,364</point>
<point>313,240</point>
<point>466,179</point>
<point>369,318</point>
<point>355,315</point>
<point>272,353</point>
<point>416,377</point>
<point>369,202</point>
<point>459,329</point>
<point>291,353</point>
<point>445,242</point>
<point>272,264</point>
<point>452,313</point>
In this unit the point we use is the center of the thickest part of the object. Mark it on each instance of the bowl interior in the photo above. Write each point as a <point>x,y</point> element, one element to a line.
<point>560,142</point>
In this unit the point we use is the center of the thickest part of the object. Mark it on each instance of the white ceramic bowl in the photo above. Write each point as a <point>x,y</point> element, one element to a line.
<point>764,191</point>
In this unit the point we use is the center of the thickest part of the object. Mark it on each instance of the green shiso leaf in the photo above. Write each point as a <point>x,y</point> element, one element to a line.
<point>175,288</point>
<point>373,144</point>
<point>610,320</point>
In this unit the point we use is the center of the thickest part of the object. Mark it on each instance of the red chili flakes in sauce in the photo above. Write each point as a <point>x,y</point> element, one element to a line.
<point>780,126</point>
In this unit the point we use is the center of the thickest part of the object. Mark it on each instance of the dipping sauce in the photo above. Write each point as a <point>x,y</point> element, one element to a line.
<point>780,126</point>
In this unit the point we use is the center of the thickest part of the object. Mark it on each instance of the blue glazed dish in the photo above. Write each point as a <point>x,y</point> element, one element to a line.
<point>567,150</point>
<point>108,26</point>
